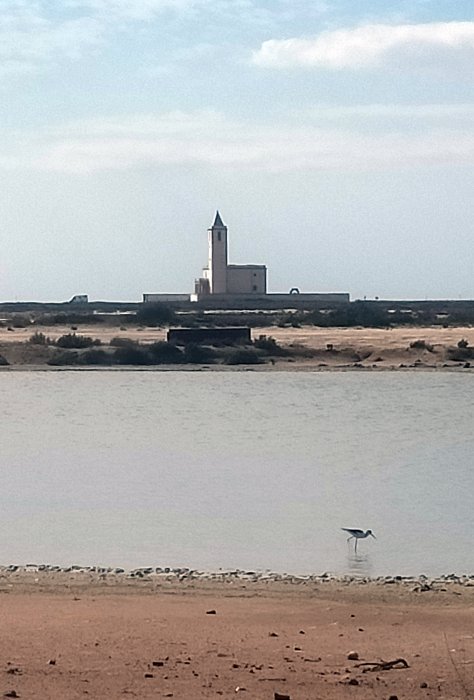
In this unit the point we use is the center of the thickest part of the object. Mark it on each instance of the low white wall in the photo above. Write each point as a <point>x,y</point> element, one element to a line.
<point>163,298</point>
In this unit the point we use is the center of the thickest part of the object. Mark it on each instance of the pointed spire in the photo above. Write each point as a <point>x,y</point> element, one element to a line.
<point>218,223</point>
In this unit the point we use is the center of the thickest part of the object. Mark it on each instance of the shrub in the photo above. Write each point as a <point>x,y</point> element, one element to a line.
<point>19,322</point>
<point>269,345</point>
<point>53,319</point>
<point>421,345</point>
<point>155,315</point>
<point>123,342</point>
<point>356,313</point>
<point>243,356</point>
<point>460,354</point>
<point>131,355</point>
<point>68,319</point>
<point>63,358</point>
<point>94,356</point>
<point>199,354</point>
<point>40,339</point>
<point>164,353</point>
<point>72,340</point>
<point>463,343</point>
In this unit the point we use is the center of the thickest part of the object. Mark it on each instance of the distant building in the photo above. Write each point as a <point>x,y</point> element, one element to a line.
<point>79,299</point>
<point>221,278</point>
<point>224,286</point>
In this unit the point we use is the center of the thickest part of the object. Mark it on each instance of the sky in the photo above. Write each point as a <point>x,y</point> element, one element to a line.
<point>336,138</point>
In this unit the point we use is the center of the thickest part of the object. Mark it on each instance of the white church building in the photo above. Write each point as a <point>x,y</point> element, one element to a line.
<point>221,278</point>
<point>238,286</point>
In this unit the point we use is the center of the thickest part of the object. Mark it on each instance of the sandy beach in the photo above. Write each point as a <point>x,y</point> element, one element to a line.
<point>311,348</point>
<point>70,635</point>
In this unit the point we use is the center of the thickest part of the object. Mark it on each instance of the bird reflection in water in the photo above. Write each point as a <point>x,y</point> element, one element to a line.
<point>359,564</point>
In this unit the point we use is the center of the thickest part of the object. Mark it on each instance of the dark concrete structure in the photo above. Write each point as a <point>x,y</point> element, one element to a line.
<point>229,336</point>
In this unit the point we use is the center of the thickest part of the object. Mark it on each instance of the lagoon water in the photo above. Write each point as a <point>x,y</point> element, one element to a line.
<point>255,470</point>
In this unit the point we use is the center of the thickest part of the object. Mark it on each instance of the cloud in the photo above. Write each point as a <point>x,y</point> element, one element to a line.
<point>30,37</point>
<point>211,140</point>
<point>139,10</point>
<point>38,33</point>
<point>368,46</point>
<point>416,114</point>
<point>418,111</point>
<point>240,11</point>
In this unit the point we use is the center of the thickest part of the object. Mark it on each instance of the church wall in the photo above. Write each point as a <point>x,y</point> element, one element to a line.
<point>246,279</point>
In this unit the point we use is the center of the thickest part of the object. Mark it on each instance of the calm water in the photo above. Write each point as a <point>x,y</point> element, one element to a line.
<point>241,469</point>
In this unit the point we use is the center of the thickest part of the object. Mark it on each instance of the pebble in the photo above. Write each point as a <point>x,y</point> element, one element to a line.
<point>353,656</point>
<point>349,680</point>
<point>183,575</point>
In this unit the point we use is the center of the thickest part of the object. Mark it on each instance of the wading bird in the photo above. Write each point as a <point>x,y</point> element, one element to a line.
<point>357,534</point>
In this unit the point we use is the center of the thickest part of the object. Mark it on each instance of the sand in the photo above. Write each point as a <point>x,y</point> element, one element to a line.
<point>352,348</point>
<point>72,636</point>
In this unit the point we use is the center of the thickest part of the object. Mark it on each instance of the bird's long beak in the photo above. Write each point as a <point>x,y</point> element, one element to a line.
<point>372,534</point>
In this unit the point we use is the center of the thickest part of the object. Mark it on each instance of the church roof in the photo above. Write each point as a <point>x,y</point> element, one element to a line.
<point>218,223</point>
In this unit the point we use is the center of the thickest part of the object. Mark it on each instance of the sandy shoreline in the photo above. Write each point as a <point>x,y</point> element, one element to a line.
<point>82,633</point>
<point>312,348</point>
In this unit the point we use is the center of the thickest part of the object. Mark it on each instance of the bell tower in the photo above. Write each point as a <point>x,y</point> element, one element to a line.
<point>217,265</point>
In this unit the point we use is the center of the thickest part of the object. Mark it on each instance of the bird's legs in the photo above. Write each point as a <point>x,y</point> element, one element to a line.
<point>355,542</point>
